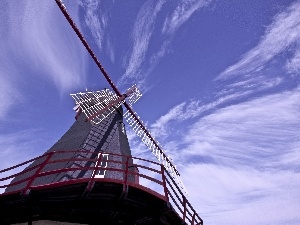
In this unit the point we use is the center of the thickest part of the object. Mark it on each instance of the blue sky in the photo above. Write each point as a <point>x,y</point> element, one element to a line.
<point>220,83</point>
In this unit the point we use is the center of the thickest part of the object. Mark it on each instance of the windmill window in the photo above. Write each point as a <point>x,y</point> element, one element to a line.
<point>100,173</point>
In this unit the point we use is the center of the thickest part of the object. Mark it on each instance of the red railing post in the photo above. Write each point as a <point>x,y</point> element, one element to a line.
<point>184,207</point>
<point>33,177</point>
<point>126,175</point>
<point>164,182</point>
<point>126,170</point>
<point>193,218</point>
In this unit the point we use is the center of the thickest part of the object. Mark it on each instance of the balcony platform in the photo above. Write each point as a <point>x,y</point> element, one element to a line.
<point>107,203</point>
<point>30,197</point>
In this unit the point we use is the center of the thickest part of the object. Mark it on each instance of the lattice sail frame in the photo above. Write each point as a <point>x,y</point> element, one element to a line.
<point>141,131</point>
<point>97,105</point>
<point>92,102</point>
<point>133,94</point>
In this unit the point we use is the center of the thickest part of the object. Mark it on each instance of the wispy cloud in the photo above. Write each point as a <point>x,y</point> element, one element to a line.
<point>36,38</point>
<point>142,31</point>
<point>283,33</point>
<point>275,115</point>
<point>56,51</point>
<point>245,196</point>
<point>293,64</point>
<point>246,154</point>
<point>247,86</point>
<point>110,50</point>
<point>139,62</point>
<point>193,109</point>
<point>97,22</point>
<point>21,146</point>
<point>139,66</point>
<point>159,127</point>
<point>182,13</point>
<point>9,93</point>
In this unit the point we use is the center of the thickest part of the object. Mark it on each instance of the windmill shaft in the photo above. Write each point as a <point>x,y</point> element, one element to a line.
<point>84,42</point>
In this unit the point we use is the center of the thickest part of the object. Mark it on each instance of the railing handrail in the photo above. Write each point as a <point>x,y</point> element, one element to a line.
<point>21,164</point>
<point>171,191</point>
<point>183,196</point>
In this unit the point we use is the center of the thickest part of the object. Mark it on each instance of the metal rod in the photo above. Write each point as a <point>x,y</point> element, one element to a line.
<point>126,171</point>
<point>164,183</point>
<point>184,207</point>
<point>37,172</point>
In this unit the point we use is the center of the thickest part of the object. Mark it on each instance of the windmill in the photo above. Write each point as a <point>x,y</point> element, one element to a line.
<point>79,185</point>
<point>115,100</point>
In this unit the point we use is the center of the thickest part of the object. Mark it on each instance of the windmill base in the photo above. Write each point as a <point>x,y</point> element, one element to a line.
<point>106,203</point>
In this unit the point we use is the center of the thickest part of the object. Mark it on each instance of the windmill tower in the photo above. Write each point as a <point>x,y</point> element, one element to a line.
<point>90,177</point>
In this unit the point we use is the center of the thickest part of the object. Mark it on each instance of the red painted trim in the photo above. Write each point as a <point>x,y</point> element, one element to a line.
<point>149,178</point>
<point>171,192</point>
<point>16,174</point>
<point>15,183</point>
<point>138,186</point>
<point>164,183</point>
<point>78,113</point>
<point>126,173</point>
<point>21,164</point>
<point>184,208</point>
<point>38,171</point>
<point>148,168</point>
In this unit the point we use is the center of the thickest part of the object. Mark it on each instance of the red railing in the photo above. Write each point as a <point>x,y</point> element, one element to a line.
<point>152,177</point>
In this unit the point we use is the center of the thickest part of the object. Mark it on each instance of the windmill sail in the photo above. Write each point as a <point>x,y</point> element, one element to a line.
<point>141,131</point>
<point>99,105</point>
<point>115,89</point>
